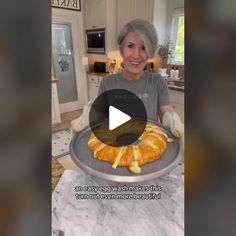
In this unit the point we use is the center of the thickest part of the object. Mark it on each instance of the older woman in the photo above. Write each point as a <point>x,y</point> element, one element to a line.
<point>137,43</point>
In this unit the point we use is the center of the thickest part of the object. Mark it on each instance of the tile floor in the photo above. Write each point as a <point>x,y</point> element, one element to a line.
<point>57,168</point>
<point>61,143</point>
<point>66,118</point>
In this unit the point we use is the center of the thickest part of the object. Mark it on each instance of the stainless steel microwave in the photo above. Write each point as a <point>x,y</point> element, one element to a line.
<point>95,41</point>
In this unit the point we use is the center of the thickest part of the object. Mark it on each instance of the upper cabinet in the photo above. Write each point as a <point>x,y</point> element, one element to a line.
<point>95,14</point>
<point>154,11</point>
<point>114,14</point>
<point>128,10</point>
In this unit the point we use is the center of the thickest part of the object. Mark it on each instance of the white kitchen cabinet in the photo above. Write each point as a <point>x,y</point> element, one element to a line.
<point>128,10</point>
<point>124,13</point>
<point>177,100</point>
<point>144,9</point>
<point>93,91</point>
<point>95,14</point>
<point>93,86</point>
<point>56,117</point>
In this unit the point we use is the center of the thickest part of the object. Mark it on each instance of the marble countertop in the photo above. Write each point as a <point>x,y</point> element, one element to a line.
<point>78,210</point>
<point>176,88</point>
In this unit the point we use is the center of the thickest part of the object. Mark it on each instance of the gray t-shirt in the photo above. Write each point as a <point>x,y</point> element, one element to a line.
<point>150,88</point>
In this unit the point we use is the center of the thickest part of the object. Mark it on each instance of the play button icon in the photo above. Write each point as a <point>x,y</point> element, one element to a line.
<point>117,118</point>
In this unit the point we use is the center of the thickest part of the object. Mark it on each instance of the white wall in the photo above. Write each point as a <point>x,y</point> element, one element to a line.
<point>160,19</point>
<point>171,5</point>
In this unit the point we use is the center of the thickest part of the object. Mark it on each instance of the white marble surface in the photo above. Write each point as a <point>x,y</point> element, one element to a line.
<point>117,217</point>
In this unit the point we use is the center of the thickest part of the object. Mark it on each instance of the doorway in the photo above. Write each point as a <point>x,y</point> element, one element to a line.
<point>67,54</point>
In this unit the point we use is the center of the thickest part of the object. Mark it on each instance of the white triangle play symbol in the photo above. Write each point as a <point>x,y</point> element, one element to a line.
<point>117,118</point>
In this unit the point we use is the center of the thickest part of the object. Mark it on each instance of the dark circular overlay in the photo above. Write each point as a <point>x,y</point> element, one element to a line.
<point>126,102</point>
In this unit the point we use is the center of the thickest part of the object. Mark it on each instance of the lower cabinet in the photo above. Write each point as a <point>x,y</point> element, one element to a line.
<point>93,91</point>
<point>93,86</point>
<point>56,117</point>
<point>177,100</point>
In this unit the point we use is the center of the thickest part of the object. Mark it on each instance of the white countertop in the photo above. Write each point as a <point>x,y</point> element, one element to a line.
<point>163,215</point>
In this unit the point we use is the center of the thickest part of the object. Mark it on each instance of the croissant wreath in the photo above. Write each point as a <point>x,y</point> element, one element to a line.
<point>151,145</point>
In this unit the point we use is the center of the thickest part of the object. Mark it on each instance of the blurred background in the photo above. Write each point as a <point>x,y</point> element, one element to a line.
<point>25,121</point>
<point>210,115</point>
<point>25,98</point>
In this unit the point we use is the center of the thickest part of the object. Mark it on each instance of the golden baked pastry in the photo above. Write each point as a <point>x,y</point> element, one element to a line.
<point>151,145</point>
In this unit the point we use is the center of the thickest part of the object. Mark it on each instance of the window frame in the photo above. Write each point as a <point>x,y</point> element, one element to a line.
<point>178,12</point>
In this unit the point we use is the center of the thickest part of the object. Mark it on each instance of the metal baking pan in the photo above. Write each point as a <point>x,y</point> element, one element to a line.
<point>84,158</point>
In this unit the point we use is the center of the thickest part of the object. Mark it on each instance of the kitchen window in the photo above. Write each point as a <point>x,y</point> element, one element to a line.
<point>177,36</point>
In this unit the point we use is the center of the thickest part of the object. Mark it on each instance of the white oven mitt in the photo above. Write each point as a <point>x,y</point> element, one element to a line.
<point>172,120</point>
<point>82,121</point>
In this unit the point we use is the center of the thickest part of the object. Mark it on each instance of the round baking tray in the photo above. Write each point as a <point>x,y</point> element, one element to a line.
<point>84,158</point>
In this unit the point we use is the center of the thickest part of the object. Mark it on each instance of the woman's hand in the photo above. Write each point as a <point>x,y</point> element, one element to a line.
<point>172,120</point>
<point>82,121</point>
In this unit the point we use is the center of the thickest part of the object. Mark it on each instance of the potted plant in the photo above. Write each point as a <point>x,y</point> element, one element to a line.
<point>164,51</point>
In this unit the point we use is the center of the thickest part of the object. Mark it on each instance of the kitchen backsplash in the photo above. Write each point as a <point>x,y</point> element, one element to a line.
<point>116,61</point>
<point>91,61</point>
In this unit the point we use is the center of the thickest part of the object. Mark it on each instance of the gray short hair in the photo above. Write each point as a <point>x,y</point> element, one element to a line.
<point>145,30</point>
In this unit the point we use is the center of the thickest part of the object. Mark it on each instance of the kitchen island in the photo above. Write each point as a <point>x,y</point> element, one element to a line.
<point>85,205</point>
